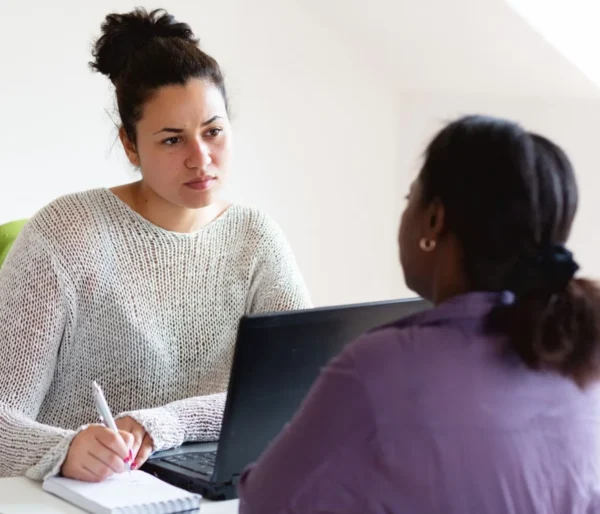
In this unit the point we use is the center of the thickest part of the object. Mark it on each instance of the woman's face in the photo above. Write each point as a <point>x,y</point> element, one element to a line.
<point>184,143</point>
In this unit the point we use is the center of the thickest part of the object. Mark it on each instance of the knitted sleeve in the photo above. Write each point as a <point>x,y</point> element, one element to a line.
<point>277,284</point>
<point>33,316</point>
<point>192,419</point>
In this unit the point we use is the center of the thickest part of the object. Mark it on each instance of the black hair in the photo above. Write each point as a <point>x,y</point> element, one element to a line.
<point>141,52</point>
<point>510,197</point>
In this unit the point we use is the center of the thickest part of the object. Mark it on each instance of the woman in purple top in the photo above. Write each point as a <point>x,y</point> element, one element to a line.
<point>487,404</point>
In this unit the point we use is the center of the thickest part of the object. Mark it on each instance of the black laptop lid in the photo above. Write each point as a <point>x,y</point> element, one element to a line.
<point>277,358</point>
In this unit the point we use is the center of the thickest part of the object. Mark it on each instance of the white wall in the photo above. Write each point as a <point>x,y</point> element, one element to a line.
<point>326,140</point>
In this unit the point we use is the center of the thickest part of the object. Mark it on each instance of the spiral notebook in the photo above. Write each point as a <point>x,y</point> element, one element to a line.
<point>127,493</point>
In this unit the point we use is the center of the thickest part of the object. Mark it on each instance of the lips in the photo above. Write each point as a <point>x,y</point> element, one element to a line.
<point>202,183</point>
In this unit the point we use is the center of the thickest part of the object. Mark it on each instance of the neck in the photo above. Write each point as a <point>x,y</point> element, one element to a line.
<point>443,294</point>
<point>164,214</point>
<point>450,280</point>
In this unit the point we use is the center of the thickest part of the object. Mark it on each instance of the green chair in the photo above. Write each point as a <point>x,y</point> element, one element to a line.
<point>8,233</point>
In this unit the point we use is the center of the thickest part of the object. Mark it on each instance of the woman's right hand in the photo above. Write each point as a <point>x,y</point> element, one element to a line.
<point>97,453</point>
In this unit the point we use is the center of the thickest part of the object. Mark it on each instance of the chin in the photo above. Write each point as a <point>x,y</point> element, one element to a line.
<point>413,285</point>
<point>200,203</point>
<point>198,200</point>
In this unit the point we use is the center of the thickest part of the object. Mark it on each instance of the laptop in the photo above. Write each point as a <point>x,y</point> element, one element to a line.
<point>277,358</point>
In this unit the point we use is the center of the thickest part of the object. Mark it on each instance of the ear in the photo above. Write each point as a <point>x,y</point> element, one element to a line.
<point>435,220</point>
<point>129,147</point>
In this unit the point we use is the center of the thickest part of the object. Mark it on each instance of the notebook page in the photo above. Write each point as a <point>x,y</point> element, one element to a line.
<point>122,490</point>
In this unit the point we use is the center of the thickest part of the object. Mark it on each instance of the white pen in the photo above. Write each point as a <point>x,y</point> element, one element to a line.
<point>105,415</point>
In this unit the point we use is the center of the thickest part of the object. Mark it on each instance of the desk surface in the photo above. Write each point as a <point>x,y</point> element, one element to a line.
<point>23,496</point>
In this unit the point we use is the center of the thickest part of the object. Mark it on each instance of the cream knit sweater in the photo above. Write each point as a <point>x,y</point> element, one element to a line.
<point>93,291</point>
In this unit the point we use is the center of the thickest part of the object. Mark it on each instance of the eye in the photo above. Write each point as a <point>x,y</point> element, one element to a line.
<point>214,132</point>
<point>172,141</point>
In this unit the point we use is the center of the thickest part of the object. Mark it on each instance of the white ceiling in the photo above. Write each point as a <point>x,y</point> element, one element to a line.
<point>465,46</point>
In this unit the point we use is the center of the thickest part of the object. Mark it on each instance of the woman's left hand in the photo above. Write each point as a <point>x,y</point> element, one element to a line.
<point>142,444</point>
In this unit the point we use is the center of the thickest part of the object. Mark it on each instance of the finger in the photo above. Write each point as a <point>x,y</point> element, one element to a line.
<point>80,471</point>
<point>125,424</point>
<point>87,475</point>
<point>128,424</point>
<point>96,464</point>
<point>128,438</point>
<point>144,452</point>
<point>138,438</point>
<point>107,457</point>
<point>113,442</point>
<point>126,430</point>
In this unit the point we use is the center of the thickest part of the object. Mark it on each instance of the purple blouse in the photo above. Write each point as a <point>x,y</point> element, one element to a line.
<point>431,415</point>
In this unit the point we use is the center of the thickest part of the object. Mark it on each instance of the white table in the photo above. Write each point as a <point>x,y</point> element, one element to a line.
<point>23,496</point>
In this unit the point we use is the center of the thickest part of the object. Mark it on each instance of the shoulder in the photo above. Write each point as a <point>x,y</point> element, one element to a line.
<point>255,226</point>
<point>69,210</point>
<point>71,218</point>
<point>58,235</point>
<point>412,319</point>
<point>401,344</point>
<point>447,341</point>
<point>379,345</point>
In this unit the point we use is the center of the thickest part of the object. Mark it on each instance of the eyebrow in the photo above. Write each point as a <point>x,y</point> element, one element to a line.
<point>179,131</point>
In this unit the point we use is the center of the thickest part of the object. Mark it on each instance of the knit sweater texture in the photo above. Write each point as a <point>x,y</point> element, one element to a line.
<point>92,291</point>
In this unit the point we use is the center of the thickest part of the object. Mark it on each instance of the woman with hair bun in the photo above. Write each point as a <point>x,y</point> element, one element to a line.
<point>139,287</point>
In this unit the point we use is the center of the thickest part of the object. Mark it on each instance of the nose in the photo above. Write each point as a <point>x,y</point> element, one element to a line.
<point>199,154</point>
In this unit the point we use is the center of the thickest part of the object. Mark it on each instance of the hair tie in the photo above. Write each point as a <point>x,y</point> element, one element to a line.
<point>550,270</point>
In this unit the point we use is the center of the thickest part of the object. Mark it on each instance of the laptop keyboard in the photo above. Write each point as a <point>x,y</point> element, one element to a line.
<point>201,462</point>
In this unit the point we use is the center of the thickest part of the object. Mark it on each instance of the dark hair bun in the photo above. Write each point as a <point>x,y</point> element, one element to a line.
<point>123,34</point>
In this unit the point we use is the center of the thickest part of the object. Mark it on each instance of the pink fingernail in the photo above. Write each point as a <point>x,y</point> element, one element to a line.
<point>134,465</point>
